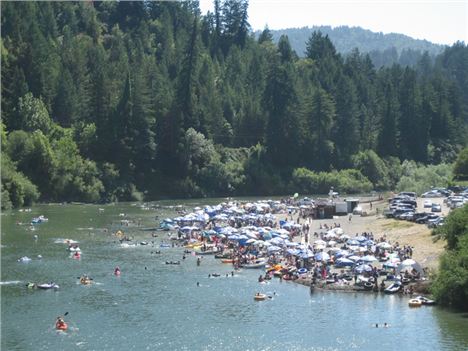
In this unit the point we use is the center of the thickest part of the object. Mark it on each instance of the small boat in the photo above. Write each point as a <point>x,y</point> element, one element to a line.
<point>393,288</point>
<point>227,260</point>
<point>173,262</point>
<point>415,303</point>
<point>405,281</point>
<point>143,243</point>
<point>164,245</point>
<point>206,252</point>
<point>24,259</point>
<point>47,286</point>
<point>425,301</point>
<point>128,245</point>
<point>225,255</point>
<point>260,297</point>
<point>149,229</point>
<point>256,264</point>
<point>40,219</point>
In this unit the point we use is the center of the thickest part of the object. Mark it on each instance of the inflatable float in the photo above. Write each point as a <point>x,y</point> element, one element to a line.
<point>61,326</point>
<point>260,297</point>
<point>414,303</point>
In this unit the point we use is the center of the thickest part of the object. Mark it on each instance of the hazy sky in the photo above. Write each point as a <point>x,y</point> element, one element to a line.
<point>438,21</point>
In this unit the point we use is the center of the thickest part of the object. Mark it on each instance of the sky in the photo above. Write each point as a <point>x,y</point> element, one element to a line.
<point>441,22</point>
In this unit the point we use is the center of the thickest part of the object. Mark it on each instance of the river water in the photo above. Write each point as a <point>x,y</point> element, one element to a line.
<point>154,306</point>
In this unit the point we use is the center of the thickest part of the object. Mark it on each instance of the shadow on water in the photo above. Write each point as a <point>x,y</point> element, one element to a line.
<point>454,325</point>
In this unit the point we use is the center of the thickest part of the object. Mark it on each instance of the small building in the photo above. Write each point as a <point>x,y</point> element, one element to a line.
<point>341,207</point>
<point>324,209</point>
<point>351,204</point>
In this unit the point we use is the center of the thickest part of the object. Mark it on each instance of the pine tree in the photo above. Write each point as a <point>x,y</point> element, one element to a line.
<point>345,132</point>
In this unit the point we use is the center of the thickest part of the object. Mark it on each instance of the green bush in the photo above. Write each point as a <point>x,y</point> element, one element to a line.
<point>373,167</point>
<point>348,181</point>
<point>420,178</point>
<point>450,286</point>
<point>17,190</point>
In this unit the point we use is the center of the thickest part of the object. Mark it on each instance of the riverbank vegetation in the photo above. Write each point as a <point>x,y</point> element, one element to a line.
<point>105,101</point>
<point>450,286</point>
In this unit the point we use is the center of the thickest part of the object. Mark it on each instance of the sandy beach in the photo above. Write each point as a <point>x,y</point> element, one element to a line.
<point>418,236</point>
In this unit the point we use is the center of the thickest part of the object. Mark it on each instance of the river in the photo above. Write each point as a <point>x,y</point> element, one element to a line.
<point>154,306</point>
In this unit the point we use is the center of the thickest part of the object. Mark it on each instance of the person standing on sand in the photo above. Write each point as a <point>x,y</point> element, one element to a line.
<point>350,217</point>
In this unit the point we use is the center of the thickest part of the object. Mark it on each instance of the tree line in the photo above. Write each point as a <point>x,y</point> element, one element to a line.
<point>383,49</point>
<point>105,101</point>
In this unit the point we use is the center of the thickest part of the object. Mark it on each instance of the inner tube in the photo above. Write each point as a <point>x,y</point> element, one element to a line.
<point>61,326</point>
<point>302,271</point>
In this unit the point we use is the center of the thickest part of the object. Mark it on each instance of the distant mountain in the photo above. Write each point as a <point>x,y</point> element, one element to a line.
<point>383,48</point>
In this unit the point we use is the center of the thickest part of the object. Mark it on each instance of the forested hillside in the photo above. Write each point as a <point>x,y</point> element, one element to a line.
<point>105,101</point>
<point>383,49</point>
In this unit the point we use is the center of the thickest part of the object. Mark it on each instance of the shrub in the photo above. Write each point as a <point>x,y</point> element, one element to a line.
<point>346,181</point>
<point>420,178</point>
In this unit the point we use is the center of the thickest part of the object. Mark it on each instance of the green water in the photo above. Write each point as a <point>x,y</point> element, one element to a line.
<point>162,308</point>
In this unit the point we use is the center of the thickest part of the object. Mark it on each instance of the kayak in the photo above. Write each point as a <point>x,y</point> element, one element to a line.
<point>61,326</point>
<point>227,260</point>
<point>47,286</point>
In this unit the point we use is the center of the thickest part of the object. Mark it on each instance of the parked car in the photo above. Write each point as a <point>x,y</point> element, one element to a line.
<point>436,208</point>
<point>433,193</point>
<point>418,215</point>
<point>408,194</point>
<point>426,219</point>
<point>427,203</point>
<point>357,210</point>
<point>399,211</point>
<point>436,222</point>
<point>406,216</point>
